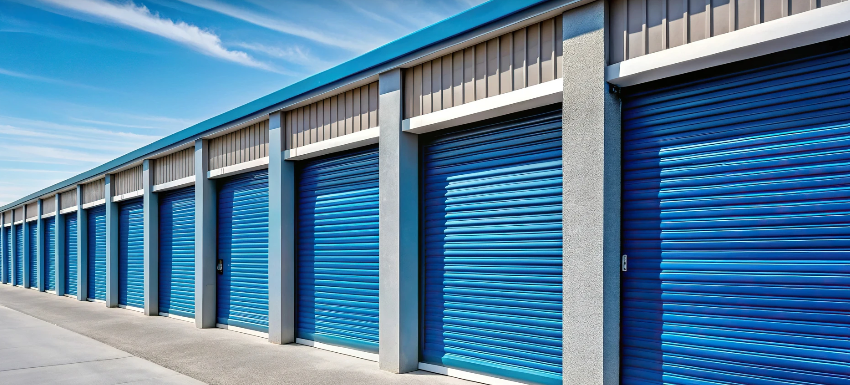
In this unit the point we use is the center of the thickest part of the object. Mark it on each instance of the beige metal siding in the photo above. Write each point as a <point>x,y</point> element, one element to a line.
<point>19,213</point>
<point>245,145</point>
<point>93,191</point>
<point>32,210</point>
<point>128,181</point>
<point>338,115</point>
<point>68,199</point>
<point>48,205</point>
<point>174,166</point>
<point>510,62</point>
<point>640,27</point>
<point>7,217</point>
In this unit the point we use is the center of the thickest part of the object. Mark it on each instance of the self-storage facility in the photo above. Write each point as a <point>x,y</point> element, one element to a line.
<point>544,192</point>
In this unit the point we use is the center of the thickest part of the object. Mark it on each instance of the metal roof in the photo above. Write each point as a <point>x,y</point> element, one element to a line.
<point>472,18</point>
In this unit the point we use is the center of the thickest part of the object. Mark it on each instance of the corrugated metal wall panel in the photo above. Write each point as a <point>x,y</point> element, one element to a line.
<point>245,145</point>
<point>640,27</point>
<point>177,252</point>
<point>128,181</point>
<point>338,250</point>
<point>93,191</point>
<point>243,247</point>
<point>735,217</point>
<point>19,255</point>
<point>50,253</point>
<point>131,254</point>
<point>32,210</point>
<point>492,249</point>
<point>510,62</point>
<point>32,254</point>
<point>19,213</point>
<point>68,199</point>
<point>174,166</point>
<point>338,115</point>
<point>71,254</point>
<point>48,205</point>
<point>97,253</point>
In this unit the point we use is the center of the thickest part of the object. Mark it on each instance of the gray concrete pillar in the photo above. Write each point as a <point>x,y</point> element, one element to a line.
<point>26,255</point>
<point>399,232</point>
<point>205,243</point>
<point>281,238</point>
<point>13,248</point>
<point>111,242</point>
<point>151,219</point>
<point>59,242</point>
<point>82,248</point>
<point>39,247</point>
<point>591,167</point>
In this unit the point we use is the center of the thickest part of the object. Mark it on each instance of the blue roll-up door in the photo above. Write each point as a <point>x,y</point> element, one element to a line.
<point>49,253</point>
<point>492,249</point>
<point>71,254</point>
<point>131,254</point>
<point>32,255</point>
<point>97,253</point>
<point>735,223</point>
<point>243,247</point>
<point>177,252</point>
<point>7,254</point>
<point>19,255</point>
<point>338,250</point>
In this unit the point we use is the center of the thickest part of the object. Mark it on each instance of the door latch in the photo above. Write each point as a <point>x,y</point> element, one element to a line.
<point>219,266</point>
<point>624,264</point>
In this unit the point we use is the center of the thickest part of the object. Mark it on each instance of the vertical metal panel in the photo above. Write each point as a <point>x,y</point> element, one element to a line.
<point>243,247</point>
<point>71,254</point>
<point>131,254</point>
<point>19,213</point>
<point>639,27</point>
<point>7,253</point>
<point>178,165</point>
<point>32,254</point>
<point>32,210</point>
<point>96,253</point>
<point>128,181</point>
<point>93,191</point>
<point>48,205</point>
<point>338,115</point>
<point>49,271</point>
<point>492,249</point>
<point>177,252</point>
<point>338,250</point>
<point>735,217</point>
<point>245,145</point>
<point>510,62</point>
<point>19,254</point>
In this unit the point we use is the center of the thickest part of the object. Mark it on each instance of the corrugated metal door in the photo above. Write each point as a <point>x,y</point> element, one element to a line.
<point>243,247</point>
<point>32,255</point>
<point>131,254</point>
<point>50,253</point>
<point>177,252</point>
<point>71,254</point>
<point>7,254</point>
<point>97,253</point>
<point>338,250</point>
<point>492,249</point>
<point>19,255</point>
<point>735,223</point>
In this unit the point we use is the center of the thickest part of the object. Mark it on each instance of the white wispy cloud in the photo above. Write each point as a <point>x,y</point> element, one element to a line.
<point>293,54</point>
<point>142,19</point>
<point>44,79</point>
<point>284,26</point>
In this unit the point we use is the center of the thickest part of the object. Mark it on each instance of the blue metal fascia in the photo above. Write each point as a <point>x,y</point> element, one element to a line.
<point>472,18</point>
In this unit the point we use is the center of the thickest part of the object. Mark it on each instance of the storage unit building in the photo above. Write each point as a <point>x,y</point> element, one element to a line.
<point>49,270</point>
<point>32,254</point>
<point>19,254</point>
<point>96,218</point>
<point>177,253</point>
<point>71,259</point>
<point>131,253</point>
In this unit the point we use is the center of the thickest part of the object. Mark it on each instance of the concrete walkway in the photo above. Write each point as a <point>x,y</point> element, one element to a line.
<point>36,352</point>
<point>213,356</point>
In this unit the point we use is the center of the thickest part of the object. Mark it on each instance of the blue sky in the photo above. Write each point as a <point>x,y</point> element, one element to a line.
<point>85,81</point>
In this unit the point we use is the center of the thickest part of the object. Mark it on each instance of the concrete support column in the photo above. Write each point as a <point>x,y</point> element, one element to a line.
<point>151,219</point>
<point>111,242</point>
<point>205,243</point>
<point>13,248</point>
<point>39,247</point>
<point>25,227</point>
<point>82,248</point>
<point>59,242</point>
<point>399,232</point>
<point>591,156</point>
<point>281,238</point>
